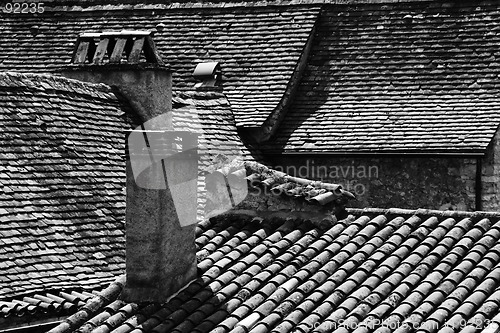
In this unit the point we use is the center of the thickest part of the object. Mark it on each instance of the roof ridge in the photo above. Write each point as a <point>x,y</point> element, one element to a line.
<point>279,182</point>
<point>105,281</point>
<point>98,5</point>
<point>55,82</point>
<point>424,212</point>
<point>199,98</point>
<point>91,306</point>
<point>129,4</point>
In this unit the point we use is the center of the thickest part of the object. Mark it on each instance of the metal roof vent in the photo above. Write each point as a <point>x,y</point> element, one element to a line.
<point>115,47</point>
<point>209,73</point>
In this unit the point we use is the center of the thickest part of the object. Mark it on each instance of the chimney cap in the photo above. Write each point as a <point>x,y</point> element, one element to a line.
<point>90,35</point>
<point>127,33</point>
<point>116,47</point>
<point>207,72</point>
<point>205,69</point>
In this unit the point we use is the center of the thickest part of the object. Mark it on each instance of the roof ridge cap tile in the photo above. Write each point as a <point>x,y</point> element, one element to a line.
<point>198,98</point>
<point>425,212</point>
<point>101,6</point>
<point>86,5</point>
<point>91,307</point>
<point>44,81</point>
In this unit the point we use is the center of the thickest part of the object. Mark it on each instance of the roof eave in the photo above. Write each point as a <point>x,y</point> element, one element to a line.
<point>458,153</point>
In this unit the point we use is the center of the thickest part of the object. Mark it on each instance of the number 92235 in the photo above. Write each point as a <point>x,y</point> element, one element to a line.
<point>23,7</point>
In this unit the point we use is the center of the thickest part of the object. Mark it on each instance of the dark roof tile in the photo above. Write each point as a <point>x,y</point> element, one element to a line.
<point>397,84</point>
<point>65,117</point>
<point>258,47</point>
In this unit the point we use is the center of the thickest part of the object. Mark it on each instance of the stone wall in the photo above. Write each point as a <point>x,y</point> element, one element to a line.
<point>262,200</point>
<point>386,181</point>
<point>491,176</point>
<point>259,200</point>
<point>263,203</point>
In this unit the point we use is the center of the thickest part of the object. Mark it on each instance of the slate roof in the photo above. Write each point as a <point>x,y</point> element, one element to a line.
<point>375,271</point>
<point>406,77</point>
<point>420,76</point>
<point>258,47</point>
<point>208,113</point>
<point>62,176</point>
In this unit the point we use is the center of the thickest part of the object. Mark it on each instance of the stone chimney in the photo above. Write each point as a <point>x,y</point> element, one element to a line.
<point>160,251</point>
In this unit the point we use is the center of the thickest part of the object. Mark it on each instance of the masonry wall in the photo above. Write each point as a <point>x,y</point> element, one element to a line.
<point>491,176</point>
<point>402,182</point>
<point>261,202</point>
<point>255,199</point>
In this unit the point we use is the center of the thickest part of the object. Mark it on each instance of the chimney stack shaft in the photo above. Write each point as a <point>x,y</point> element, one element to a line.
<point>160,253</point>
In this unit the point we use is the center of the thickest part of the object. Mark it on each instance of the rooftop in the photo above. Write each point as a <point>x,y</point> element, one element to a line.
<point>258,47</point>
<point>374,271</point>
<point>398,78</point>
<point>63,178</point>
<point>351,76</point>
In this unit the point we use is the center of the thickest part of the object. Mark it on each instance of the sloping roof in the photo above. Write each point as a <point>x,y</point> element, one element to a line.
<point>62,184</point>
<point>209,114</point>
<point>376,271</point>
<point>258,47</point>
<point>63,177</point>
<point>405,77</point>
<point>398,77</point>
<point>41,306</point>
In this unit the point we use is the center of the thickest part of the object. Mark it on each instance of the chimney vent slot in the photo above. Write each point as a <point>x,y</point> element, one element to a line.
<point>101,50</point>
<point>116,55</point>
<point>135,52</point>
<point>116,47</point>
